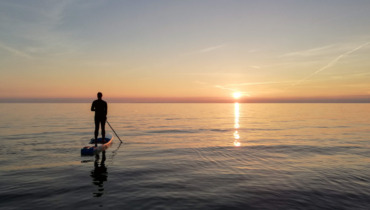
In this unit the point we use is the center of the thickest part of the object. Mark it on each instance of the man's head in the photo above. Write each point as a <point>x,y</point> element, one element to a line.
<point>100,95</point>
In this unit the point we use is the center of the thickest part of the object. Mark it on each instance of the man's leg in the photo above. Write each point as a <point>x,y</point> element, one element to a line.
<point>103,129</point>
<point>96,131</point>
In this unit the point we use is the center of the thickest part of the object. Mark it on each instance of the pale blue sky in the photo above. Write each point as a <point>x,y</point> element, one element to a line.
<point>184,48</point>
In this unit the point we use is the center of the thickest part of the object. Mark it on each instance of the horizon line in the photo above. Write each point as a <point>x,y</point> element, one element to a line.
<point>338,99</point>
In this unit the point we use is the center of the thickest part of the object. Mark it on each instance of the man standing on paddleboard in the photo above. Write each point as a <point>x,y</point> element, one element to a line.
<point>100,108</point>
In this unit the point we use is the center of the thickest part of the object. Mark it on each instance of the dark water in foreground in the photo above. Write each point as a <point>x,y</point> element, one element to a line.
<point>187,156</point>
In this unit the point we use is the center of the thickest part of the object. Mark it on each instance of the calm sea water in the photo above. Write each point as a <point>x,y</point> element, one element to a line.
<point>187,156</point>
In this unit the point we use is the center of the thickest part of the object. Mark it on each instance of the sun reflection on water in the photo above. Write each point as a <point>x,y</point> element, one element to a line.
<point>236,125</point>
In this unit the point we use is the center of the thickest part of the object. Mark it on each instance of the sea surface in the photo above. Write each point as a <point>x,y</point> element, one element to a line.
<point>187,156</point>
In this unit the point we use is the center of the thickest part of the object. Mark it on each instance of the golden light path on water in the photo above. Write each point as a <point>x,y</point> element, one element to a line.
<point>236,125</point>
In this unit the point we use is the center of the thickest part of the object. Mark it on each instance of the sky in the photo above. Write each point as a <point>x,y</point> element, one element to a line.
<point>190,50</point>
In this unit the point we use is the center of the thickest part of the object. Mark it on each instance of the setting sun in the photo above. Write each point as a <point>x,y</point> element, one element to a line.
<point>237,95</point>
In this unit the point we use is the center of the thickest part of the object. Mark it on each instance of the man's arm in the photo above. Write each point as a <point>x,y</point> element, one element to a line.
<point>93,107</point>
<point>106,109</point>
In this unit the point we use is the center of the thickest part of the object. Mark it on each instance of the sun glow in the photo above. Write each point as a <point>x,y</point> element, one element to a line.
<point>237,95</point>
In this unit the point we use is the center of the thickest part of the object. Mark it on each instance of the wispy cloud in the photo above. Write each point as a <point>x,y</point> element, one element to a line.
<point>223,87</point>
<point>350,75</point>
<point>256,83</point>
<point>212,48</point>
<point>37,30</point>
<point>205,50</point>
<point>231,89</point>
<point>237,87</point>
<point>331,63</point>
<point>318,51</point>
<point>14,51</point>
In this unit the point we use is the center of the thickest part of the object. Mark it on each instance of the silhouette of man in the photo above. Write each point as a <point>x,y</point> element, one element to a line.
<point>100,108</point>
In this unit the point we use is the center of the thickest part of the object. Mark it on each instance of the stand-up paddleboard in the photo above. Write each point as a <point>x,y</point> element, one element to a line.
<point>102,145</point>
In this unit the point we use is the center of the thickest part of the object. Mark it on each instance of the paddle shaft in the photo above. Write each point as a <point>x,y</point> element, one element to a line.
<point>114,131</point>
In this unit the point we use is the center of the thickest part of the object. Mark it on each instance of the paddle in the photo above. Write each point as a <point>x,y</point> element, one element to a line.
<point>114,131</point>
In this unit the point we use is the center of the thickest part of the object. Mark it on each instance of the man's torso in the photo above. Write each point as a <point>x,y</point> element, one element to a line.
<point>100,108</point>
